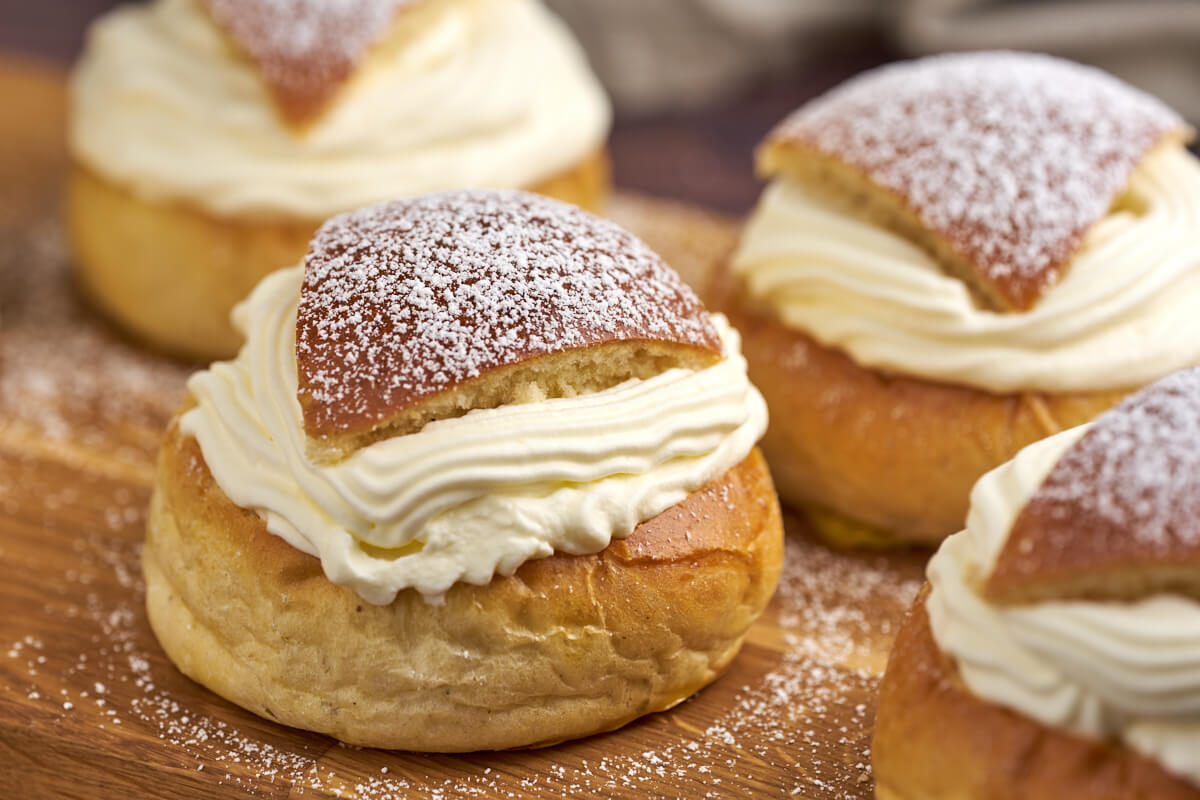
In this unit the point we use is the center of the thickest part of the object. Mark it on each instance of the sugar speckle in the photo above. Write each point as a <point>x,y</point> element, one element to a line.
<point>1009,156</point>
<point>800,708</point>
<point>58,390</point>
<point>406,299</point>
<point>305,49</point>
<point>1130,487</point>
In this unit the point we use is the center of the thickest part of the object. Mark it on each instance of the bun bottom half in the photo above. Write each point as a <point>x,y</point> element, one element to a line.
<point>876,458</point>
<point>935,740</point>
<point>565,647</point>
<point>169,273</point>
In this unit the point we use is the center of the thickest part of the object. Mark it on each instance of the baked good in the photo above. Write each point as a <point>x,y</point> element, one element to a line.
<point>1054,652</point>
<point>483,476</point>
<point>210,138</point>
<point>958,256</point>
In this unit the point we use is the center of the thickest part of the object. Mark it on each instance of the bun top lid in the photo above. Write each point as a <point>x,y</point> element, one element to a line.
<point>1007,158</point>
<point>305,49</point>
<point>406,301</point>
<point>1118,515</point>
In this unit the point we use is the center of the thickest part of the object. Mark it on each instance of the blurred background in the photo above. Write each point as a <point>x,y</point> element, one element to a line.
<point>697,83</point>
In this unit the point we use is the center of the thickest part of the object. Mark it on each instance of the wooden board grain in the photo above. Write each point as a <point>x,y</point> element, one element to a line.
<point>90,707</point>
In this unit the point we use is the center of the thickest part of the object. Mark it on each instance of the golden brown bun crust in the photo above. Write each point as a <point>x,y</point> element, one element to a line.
<point>425,307</point>
<point>897,453</point>
<point>933,143</point>
<point>301,71</point>
<point>1118,515</point>
<point>567,646</point>
<point>170,274</point>
<point>934,740</point>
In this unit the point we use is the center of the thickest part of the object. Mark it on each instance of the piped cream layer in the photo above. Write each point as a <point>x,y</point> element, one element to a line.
<point>1105,670</point>
<point>484,93</point>
<point>1122,316</point>
<point>463,499</point>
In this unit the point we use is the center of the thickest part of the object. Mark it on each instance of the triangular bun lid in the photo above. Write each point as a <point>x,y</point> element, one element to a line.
<point>408,300</point>
<point>305,49</point>
<point>1118,516</point>
<point>1005,158</point>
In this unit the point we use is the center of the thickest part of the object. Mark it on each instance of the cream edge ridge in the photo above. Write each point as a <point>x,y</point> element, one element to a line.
<point>1123,315</point>
<point>484,93</point>
<point>457,501</point>
<point>1129,671</point>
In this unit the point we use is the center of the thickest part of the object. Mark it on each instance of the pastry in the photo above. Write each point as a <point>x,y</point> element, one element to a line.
<point>955,257</point>
<point>1055,651</point>
<point>483,476</point>
<point>210,138</point>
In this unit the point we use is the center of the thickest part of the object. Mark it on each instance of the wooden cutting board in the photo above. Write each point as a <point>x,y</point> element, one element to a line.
<point>90,707</point>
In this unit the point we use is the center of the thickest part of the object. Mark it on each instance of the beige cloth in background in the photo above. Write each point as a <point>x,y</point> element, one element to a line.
<point>656,54</point>
<point>663,54</point>
<point>1154,44</point>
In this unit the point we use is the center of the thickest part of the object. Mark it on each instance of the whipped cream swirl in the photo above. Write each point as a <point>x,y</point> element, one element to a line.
<point>463,499</point>
<point>489,93</point>
<point>1122,316</point>
<point>1129,671</point>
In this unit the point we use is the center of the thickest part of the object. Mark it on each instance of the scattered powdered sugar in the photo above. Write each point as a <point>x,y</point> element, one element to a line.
<point>843,608</point>
<point>1135,475</point>
<point>791,718</point>
<point>66,376</point>
<point>1009,156</point>
<point>796,723</point>
<point>305,49</point>
<point>406,299</point>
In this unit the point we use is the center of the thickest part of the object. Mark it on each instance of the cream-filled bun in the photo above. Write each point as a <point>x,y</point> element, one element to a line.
<point>483,476</point>
<point>210,138</point>
<point>1055,652</point>
<point>955,257</point>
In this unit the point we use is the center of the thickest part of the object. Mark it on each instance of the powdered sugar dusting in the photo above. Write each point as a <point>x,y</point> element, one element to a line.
<point>66,377</point>
<point>79,665</point>
<point>305,49</point>
<point>407,299</point>
<point>1129,489</point>
<point>792,719</point>
<point>1138,467</point>
<point>1008,156</point>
